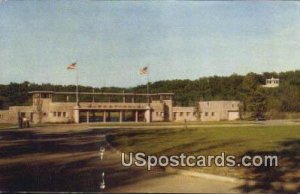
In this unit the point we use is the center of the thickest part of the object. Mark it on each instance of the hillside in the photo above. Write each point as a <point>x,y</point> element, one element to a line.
<point>285,98</point>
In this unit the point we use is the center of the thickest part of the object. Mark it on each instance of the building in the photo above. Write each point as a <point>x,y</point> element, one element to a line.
<point>56,107</point>
<point>185,113</point>
<point>272,83</point>
<point>219,110</point>
<point>60,107</point>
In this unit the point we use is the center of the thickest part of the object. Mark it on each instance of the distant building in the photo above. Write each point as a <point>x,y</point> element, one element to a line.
<point>116,107</point>
<point>271,83</point>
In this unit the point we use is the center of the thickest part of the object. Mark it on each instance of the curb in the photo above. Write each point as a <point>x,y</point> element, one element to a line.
<point>280,185</point>
<point>204,175</point>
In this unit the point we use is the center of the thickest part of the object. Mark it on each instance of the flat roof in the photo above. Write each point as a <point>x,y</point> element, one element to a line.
<point>104,93</point>
<point>44,92</point>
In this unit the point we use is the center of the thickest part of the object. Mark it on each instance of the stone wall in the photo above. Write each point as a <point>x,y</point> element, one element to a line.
<point>158,111</point>
<point>11,115</point>
<point>4,116</point>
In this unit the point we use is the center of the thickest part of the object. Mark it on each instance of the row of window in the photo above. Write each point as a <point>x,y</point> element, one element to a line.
<point>186,113</point>
<point>207,114</point>
<point>272,81</point>
<point>60,114</point>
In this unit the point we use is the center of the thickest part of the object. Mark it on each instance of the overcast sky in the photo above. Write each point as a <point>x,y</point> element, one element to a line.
<point>177,39</point>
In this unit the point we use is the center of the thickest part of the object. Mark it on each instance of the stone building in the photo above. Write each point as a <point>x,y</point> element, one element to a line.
<point>219,110</point>
<point>47,107</point>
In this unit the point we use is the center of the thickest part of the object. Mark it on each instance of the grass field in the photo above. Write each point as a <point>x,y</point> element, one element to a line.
<point>132,124</point>
<point>233,140</point>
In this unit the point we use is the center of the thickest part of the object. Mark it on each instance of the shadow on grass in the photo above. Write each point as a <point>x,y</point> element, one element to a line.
<point>284,178</point>
<point>31,161</point>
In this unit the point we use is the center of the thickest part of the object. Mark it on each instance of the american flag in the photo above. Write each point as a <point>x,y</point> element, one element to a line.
<point>72,66</point>
<point>143,71</point>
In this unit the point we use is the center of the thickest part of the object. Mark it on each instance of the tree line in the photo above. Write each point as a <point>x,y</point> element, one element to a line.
<point>245,88</point>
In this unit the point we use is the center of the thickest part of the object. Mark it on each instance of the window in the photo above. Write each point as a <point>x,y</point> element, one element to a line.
<point>59,114</point>
<point>206,114</point>
<point>54,114</point>
<point>31,117</point>
<point>45,114</point>
<point>232,105</point>
<point>45,95</point>
<point>0,116</point>
<point>207,103</point>
<point>187,114</point>
<point>157,114</point>
<point>181,114</point>
<point>212,114</point>
<point>194,113</point>
<point>64,114</point>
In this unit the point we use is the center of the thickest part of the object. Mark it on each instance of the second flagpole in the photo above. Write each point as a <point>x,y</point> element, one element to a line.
<point>148,92</point>
<point>77,87</point>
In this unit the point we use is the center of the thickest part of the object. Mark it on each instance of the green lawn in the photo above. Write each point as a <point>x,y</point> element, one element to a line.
<point>233,140</point>
<point>181,123</point>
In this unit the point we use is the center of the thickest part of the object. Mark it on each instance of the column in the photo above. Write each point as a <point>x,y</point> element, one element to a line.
<point>87,116</point>
<point>104,116</point>
<point>121,116</point>
<point>124,99</point>
<point>148,114</point>
<point>136,116</point>
<point>132,99</point>
<point>76,115</point>
<point>160,97</point>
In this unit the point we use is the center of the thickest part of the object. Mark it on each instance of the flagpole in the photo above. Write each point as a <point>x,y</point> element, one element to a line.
<point>77,83</point>
<point>148,94</point>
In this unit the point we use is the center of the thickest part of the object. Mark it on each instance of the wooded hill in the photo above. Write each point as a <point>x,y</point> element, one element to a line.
<point>285,98</point>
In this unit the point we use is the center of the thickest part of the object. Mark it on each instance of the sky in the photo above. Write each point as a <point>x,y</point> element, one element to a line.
<point>111,40</point>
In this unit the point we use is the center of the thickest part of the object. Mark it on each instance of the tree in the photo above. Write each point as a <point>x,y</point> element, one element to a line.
<point>246,88</point>
<point>256,103</point>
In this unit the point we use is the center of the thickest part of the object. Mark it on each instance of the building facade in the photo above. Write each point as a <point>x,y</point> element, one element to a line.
<point>219,110</point>
<point>272,83</point>
<point>56,107</point>
<point>185,113</point>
